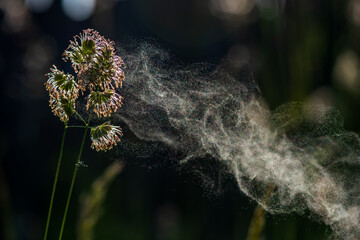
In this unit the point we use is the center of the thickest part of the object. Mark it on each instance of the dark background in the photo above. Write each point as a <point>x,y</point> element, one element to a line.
<point>298,50</point>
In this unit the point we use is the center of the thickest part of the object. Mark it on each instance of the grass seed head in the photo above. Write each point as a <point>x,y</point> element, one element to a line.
<point>105,136</point>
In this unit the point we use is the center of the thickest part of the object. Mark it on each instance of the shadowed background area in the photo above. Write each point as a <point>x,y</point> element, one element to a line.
<point>295,51</point>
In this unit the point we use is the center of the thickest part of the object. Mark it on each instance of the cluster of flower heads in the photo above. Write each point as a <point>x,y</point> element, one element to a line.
<point>98,74</point>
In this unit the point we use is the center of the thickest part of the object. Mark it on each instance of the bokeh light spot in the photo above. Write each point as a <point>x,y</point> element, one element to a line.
<point>78,10</point>
<point>228,8</point>
<point>39,5</point>
<point>346,71</point>
<point>354,11</point>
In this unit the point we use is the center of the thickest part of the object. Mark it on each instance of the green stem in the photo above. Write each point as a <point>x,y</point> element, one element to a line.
<point>73,179</point>
<point>77,126</point>
<point>55,182</point>
<point>81,118</point>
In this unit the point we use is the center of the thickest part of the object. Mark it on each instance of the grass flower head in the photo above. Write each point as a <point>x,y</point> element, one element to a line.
<point>93,58</point>
<point>62,107</point>
<point>104,103</point>
<point>83,49</point>
<point>105,136</point>
<point>61,84</point>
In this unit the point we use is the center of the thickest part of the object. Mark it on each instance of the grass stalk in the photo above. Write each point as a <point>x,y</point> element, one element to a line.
<point>73,180</point>
<point>55,182</point>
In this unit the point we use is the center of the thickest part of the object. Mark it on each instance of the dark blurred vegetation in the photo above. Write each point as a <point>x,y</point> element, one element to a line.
<point>300,50</point>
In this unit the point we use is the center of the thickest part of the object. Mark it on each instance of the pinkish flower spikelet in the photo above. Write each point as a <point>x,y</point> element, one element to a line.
<point>104,102</point>
<point>105,136</point>
<point>61,84</point>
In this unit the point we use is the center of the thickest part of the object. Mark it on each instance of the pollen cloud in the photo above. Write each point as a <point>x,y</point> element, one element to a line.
<point>296,158</point>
